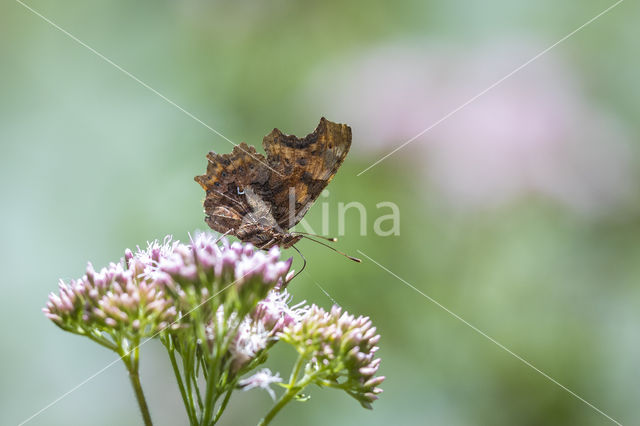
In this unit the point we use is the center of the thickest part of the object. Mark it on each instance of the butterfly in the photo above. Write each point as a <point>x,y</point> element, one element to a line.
<point>259,199</point>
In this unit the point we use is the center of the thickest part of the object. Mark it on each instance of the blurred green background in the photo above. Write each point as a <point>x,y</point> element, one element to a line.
<point>520,213</point>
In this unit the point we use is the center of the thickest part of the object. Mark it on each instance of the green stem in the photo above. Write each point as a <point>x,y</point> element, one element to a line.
<point>101,341</point>
<point>284,400</point>
<point>134,377</point>
<point>296,369</point>
<point>188,405</point>
<point>211,393</point>
<point>187,367</point>
<point>223,405</point>
<point>222,340</point>
<point>197,388</point>
<point>293,388</point>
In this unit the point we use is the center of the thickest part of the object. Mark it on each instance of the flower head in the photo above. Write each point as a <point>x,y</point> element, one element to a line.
<point>275,313</point>
<point>235,272</point>
<point>145,261</point>
<point>250,339</point>
<point>116,300</point>
<point>341,349</point>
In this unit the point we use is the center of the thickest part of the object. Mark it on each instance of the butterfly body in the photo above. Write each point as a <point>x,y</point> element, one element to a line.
<point>259,199</point>
<point>266,237</point>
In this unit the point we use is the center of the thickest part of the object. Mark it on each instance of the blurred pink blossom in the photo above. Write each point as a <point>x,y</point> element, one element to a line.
<point>535,133</point>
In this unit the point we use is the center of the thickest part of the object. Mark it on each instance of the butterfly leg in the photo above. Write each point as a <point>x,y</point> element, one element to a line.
<point>268,244</point>
<point>224,235</point>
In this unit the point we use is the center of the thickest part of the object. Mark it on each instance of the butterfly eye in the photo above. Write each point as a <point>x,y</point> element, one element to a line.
<point>216,184</point>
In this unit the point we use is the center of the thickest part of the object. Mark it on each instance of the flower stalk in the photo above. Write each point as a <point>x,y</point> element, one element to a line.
<point>293,389</point>
<point>134,377</point>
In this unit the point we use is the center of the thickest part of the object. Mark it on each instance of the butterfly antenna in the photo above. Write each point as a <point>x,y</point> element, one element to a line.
<point>332,239</point>
<point>355,259</point>
<point>304,264</point>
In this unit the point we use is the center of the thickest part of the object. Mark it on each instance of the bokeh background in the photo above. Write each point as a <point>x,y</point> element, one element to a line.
<point>520,213</point>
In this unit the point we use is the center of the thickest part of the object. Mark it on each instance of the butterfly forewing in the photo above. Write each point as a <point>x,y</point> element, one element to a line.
<point>308,165</point>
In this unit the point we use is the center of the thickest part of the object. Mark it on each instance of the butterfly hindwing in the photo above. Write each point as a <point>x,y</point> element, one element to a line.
<point>227,176</point>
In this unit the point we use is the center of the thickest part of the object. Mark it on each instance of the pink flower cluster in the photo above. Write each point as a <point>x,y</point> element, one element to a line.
<point>114,299</point>
<point>340,346</point>
<point>206,269</point>
<point>220,306</point>
<point>141,294</point>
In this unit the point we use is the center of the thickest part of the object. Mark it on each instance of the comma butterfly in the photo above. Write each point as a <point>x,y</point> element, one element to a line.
<point>259,199</point>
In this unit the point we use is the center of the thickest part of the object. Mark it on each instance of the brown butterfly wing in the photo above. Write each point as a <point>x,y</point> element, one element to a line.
<point>304,167</point>
<point>226,205</point>
<point>258,199</point>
